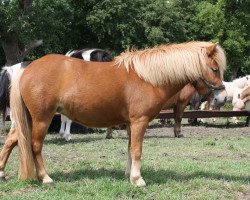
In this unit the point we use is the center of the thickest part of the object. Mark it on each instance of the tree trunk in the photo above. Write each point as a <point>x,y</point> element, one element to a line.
<point>26,5</point>
<point>11,49</point>
<point>13,53</point>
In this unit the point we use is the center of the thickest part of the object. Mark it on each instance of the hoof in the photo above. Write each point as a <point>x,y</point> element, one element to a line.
<point>67,138</point>
<point>138,182</point>
<point>127,173</point>
<point>47,180</point>
<point>3,179</point>
<point>109,137</point>
<point>61,135</point>
<point>180,136</point>
<point>2,176</point>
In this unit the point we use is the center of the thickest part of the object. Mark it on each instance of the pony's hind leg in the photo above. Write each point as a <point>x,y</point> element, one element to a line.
<point>62,128</point>
<point>137,133</point>
<point>67,130</point>
<point>9,144</point>
<point>38,134</point>
<point>178,113</point>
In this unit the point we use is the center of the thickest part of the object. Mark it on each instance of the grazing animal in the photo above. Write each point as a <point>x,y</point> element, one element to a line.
<point>132,89</point>
<point>98,55</point>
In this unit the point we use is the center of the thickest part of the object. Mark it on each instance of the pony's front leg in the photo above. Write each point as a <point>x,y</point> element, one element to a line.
<point>9,144</point>
<point>137,133</point>
<point>128,168</point>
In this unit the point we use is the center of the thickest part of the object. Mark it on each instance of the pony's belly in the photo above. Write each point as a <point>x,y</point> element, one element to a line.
<point>100,122</point>
<point>99,117</point>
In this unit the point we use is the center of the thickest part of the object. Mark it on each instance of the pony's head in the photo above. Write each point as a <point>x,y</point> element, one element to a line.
<point>210,84</point>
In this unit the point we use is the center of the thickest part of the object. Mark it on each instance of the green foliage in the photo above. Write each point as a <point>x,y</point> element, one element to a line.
<point>48,20</point>
<point>117,25</point>
<point>226,22</point>
<point>12,18</point>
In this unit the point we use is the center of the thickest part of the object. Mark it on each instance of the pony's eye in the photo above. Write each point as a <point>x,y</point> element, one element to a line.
<point>215,70</point>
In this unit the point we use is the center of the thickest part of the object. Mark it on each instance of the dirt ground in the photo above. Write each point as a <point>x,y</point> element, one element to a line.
<point>221,128</point>
<point>207,129</point>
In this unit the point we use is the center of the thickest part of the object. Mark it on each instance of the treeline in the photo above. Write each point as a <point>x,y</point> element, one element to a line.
<point>30,29</point>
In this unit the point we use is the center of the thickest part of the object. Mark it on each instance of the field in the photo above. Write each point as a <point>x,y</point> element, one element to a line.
<point>211,162</point>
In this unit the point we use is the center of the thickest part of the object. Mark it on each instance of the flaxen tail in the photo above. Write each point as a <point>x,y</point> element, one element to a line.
<point>22,122</point>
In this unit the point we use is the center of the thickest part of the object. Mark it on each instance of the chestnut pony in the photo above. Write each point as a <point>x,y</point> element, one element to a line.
<point>132,89</point>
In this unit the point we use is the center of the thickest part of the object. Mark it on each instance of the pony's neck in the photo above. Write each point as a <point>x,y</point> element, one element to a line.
<point>172,90</point>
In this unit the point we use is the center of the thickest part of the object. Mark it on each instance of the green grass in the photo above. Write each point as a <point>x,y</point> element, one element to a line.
<point>91,167</point>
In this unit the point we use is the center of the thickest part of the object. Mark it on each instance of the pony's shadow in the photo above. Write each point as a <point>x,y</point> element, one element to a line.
<point>61,141</point>
<point>150,175</point>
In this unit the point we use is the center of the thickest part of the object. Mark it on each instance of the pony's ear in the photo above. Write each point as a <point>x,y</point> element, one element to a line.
<point>211,49</point>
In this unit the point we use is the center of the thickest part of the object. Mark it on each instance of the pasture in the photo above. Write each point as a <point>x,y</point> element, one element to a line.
<point>211,162</point>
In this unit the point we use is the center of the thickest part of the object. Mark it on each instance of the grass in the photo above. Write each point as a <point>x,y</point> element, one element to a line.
<point>91,167</point>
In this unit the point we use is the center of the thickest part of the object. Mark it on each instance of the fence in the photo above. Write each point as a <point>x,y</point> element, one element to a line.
<point>164,114</point>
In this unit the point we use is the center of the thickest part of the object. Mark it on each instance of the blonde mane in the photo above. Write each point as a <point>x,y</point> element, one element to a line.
<point>173,62</point>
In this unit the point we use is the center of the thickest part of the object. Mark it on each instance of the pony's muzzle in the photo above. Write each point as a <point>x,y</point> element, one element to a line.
<point>219,99</point>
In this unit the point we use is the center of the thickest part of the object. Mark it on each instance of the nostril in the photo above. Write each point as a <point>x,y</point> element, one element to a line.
<point>215,100</point>
<point>225,99</point>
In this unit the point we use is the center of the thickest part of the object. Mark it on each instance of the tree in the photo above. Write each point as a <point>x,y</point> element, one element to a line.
<point>226,22</point>
<point>118,25</point>
<point>13,20</point>
<point>25,24</point>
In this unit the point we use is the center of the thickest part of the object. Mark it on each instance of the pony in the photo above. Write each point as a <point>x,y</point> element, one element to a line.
<point>234,89</point>
<point>98,55</point>
<point>6,74</point>
<point>132,89</point>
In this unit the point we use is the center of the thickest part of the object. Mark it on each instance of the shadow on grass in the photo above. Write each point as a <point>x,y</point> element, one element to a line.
<point>150,175</point>
<point>61,141</point>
